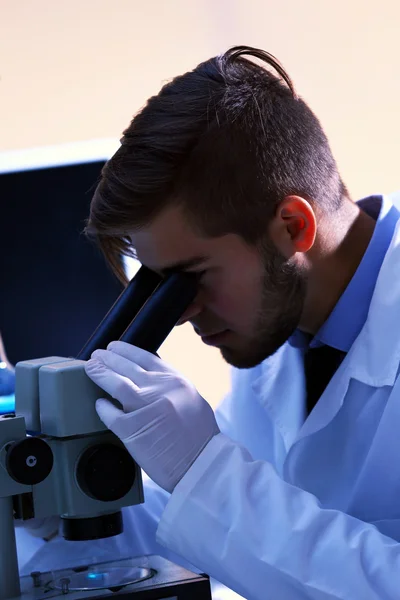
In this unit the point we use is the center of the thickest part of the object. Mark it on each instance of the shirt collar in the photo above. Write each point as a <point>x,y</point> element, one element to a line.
<point>350,313</point>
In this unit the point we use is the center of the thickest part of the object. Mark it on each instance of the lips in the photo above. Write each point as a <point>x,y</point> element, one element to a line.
<point>214,339</point>
<point>207,335</point>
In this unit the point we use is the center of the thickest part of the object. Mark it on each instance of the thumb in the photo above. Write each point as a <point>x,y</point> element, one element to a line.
<point>108,413</point>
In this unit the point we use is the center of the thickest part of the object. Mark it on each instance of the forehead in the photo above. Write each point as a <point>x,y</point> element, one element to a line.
<point>168,239</point>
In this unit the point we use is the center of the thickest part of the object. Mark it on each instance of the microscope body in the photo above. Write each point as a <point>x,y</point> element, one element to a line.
<point>93,474</point>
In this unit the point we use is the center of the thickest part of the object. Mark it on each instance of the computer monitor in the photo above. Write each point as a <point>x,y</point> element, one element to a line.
<point>55,284</point>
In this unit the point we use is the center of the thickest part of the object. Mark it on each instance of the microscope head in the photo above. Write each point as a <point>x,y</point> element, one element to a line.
<point>93,476</point>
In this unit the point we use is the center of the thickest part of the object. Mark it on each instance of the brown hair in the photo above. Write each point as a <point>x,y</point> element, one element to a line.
<point>226,141</point>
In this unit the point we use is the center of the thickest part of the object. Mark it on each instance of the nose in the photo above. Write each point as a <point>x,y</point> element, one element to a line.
<point>192,311</point>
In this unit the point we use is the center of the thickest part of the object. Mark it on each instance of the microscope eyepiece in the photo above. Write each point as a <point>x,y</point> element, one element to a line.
<point>145,312</point>
<point>162,311</point>
<point>124,309</point>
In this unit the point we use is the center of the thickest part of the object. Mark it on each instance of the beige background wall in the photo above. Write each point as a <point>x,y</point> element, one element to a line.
<point>78,70</point>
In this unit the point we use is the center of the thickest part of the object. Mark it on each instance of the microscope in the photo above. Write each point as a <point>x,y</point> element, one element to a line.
<point>58,458</point>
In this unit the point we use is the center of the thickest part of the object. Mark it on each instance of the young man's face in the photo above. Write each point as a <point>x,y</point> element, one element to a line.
<point>247,305</point>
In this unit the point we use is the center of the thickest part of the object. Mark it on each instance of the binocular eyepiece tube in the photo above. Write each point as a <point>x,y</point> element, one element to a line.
<point>145,312</point>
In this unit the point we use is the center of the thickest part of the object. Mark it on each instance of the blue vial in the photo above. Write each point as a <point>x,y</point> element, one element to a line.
<point>7,389</point>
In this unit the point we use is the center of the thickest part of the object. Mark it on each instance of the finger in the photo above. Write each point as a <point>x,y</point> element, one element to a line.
<point>123,366</point>
<point>108,413</point>
<point>144,359</point>
<point>119,387</point>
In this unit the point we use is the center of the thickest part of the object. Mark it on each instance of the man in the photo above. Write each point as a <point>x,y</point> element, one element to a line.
<point>291,491</point>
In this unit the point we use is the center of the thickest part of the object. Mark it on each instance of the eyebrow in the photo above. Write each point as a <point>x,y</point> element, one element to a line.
<point>182,265</point>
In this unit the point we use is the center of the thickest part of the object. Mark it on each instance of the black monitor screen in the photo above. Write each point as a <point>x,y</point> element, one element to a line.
<point>55,284</point>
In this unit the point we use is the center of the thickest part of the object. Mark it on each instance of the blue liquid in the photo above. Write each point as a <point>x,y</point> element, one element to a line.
<point>7,404</point>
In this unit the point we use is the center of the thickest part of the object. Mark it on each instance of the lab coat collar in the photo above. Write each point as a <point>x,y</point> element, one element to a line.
<point>280,390</point>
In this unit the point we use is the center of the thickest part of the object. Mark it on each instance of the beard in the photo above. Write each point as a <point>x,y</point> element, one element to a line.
<point>283,291</point>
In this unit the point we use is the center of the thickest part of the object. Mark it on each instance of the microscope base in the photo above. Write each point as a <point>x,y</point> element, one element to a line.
<point>161,580</point>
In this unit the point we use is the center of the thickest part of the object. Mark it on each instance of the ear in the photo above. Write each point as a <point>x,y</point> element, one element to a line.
<point>294,226</point>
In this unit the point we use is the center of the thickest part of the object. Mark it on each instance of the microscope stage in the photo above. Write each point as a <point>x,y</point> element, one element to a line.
<point>140,578</point>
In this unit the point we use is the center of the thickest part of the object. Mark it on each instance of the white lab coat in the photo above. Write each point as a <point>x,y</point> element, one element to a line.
<point>279,508</point>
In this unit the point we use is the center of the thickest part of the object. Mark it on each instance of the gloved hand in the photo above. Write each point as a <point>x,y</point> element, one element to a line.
<point>164,422</point>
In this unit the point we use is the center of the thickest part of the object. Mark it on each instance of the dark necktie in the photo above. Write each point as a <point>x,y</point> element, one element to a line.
<point>320,364</point>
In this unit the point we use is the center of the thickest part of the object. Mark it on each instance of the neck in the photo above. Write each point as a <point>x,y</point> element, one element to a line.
<point>333,260</point>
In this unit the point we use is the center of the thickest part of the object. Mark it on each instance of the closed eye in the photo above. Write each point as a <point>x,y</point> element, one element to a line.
<point>199,274</point>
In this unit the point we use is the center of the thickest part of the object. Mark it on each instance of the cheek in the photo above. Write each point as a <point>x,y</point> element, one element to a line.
<point>234,299</point>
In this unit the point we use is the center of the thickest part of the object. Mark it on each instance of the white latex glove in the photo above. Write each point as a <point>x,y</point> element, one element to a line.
<point>164,424</point>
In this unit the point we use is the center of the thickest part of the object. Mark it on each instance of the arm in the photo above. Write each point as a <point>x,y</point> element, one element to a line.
<point>237,520</point>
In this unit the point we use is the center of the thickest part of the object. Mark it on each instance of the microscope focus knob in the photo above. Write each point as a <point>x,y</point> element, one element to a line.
<point>29,461</point>
<point>106,472</point>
